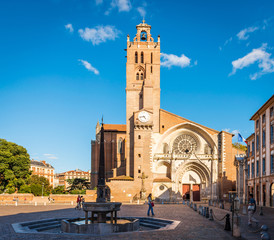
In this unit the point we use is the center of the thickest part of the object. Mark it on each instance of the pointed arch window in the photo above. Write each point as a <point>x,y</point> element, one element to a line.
<point>120,146</point>
<point>137,76</point>
<point>136,57</point>
<point>142,76</point>
<point>142,57</point>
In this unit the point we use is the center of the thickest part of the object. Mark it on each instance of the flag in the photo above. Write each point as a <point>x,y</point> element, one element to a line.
<point>241,139</point>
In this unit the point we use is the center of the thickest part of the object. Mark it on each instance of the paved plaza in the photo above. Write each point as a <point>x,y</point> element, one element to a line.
<point>192,226</point>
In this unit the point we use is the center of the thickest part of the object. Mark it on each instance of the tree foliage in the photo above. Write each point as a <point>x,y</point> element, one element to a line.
<point>37,183</point>
<point>14,166</point>
<point>78,184</point>
<point>239,146</point>
<point>59,190</point>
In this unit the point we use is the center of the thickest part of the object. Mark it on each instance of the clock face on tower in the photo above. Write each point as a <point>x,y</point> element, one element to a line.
<point>143,116</point>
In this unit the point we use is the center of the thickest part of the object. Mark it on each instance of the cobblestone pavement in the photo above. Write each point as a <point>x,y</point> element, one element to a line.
<point>193,226</point>
<point>251,233</point>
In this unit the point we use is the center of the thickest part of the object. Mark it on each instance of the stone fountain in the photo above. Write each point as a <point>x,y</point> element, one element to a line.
<point>99,222</point>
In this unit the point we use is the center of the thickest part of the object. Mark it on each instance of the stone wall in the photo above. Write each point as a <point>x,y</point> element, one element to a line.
<point>65,198</point>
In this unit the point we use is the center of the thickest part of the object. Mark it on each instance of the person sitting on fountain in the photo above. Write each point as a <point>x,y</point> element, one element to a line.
<point>150,205</point>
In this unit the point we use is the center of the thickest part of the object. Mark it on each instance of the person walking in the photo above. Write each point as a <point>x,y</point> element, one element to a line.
<point>78,201</point>
<point>251,210</point>
<point>150,205</point>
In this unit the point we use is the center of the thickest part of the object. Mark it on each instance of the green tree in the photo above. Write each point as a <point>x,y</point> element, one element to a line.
<point>14,166</point>
<point>78,184</point>
<point>38,183</point>
<point>239,146</point>
<point>59,190</point>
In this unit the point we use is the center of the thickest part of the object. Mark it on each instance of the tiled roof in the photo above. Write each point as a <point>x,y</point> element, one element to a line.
<point>40,164</point>
<point>115,127</point>
<point>165,179</point>
<point>122,178</point>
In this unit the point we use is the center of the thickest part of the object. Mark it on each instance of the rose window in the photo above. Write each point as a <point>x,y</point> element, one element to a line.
<point>184,144</point>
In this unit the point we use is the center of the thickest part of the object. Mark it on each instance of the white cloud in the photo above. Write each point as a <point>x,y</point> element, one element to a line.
<point>169,60</point>
<point>50,156</point>
<point>98,2</point>
<point>243,34</point>
<point>235,132</point>
<point>89,67</point>
<point>142,11</point>
<point>228,41</point>
<point>122,5</point>
<point>226,129</point>
<point>99,34</point>
<point>260,56</point>
<point>69,27</point>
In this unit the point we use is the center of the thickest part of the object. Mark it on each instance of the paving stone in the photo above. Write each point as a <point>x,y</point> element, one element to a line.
<point>192,226</point>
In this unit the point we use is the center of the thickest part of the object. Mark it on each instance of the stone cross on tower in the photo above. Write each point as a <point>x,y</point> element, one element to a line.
<point>143,190</point>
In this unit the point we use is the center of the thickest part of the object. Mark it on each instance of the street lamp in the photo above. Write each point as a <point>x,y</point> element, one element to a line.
<point>42,189</point>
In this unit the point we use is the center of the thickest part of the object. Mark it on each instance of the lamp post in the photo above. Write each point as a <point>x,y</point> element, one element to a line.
<point>42,189</point>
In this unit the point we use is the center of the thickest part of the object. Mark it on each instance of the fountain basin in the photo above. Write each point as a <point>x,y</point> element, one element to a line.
<point>77,225</point>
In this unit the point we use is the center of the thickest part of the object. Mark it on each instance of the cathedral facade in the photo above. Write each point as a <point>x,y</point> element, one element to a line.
<point>157,151</point>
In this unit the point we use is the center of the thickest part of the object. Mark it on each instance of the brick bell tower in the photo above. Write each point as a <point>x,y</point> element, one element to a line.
<point>142,99</point>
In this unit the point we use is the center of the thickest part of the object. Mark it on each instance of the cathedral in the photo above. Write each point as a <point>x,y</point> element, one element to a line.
<point>157,151</point>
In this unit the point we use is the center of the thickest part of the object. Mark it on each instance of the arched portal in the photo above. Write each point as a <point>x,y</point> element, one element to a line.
<point>193,180</point>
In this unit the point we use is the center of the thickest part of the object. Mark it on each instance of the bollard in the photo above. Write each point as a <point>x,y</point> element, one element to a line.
<point>35,203</point>
<point>244,210</point>
<point>261,211</point>
<point>200,210</point>
<point>184,202</point>
<point>264,233</point>
<point>138,202</point>
<point>195,207</point>
<point>204,211</point>
<point>215,204</point>
<point>16,203</point>
<point>210,215</point>
<point>45,203</point>
<point>187,203</point>
<point>207,212</point>
<point>191,205</point>
<point>71,202</point>
<point>236,226</point>
<point>162,202</point>
<point>227,222</point>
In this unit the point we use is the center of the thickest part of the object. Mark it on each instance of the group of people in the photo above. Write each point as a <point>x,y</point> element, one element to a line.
<point>251,207</point>
<point>80,200</point>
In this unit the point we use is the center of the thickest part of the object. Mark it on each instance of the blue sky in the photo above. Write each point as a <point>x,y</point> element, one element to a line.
<point>62,66</point>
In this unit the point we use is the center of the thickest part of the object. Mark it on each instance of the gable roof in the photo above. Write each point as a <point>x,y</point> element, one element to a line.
<point>184,119</point>
<point>115,127</point>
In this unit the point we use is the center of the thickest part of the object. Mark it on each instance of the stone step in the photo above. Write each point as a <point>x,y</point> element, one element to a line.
<point>37,225</point>
<point>156,220</point>
<point>48,227</point>
<point>40,221</point>
<point>150,225</point>
<point>158,223</point>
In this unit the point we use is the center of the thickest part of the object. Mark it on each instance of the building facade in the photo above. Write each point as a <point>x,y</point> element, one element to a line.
<point>157,151</point>
<point>260,155</point>
<point>63,177</point>
<point>43,169</point>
